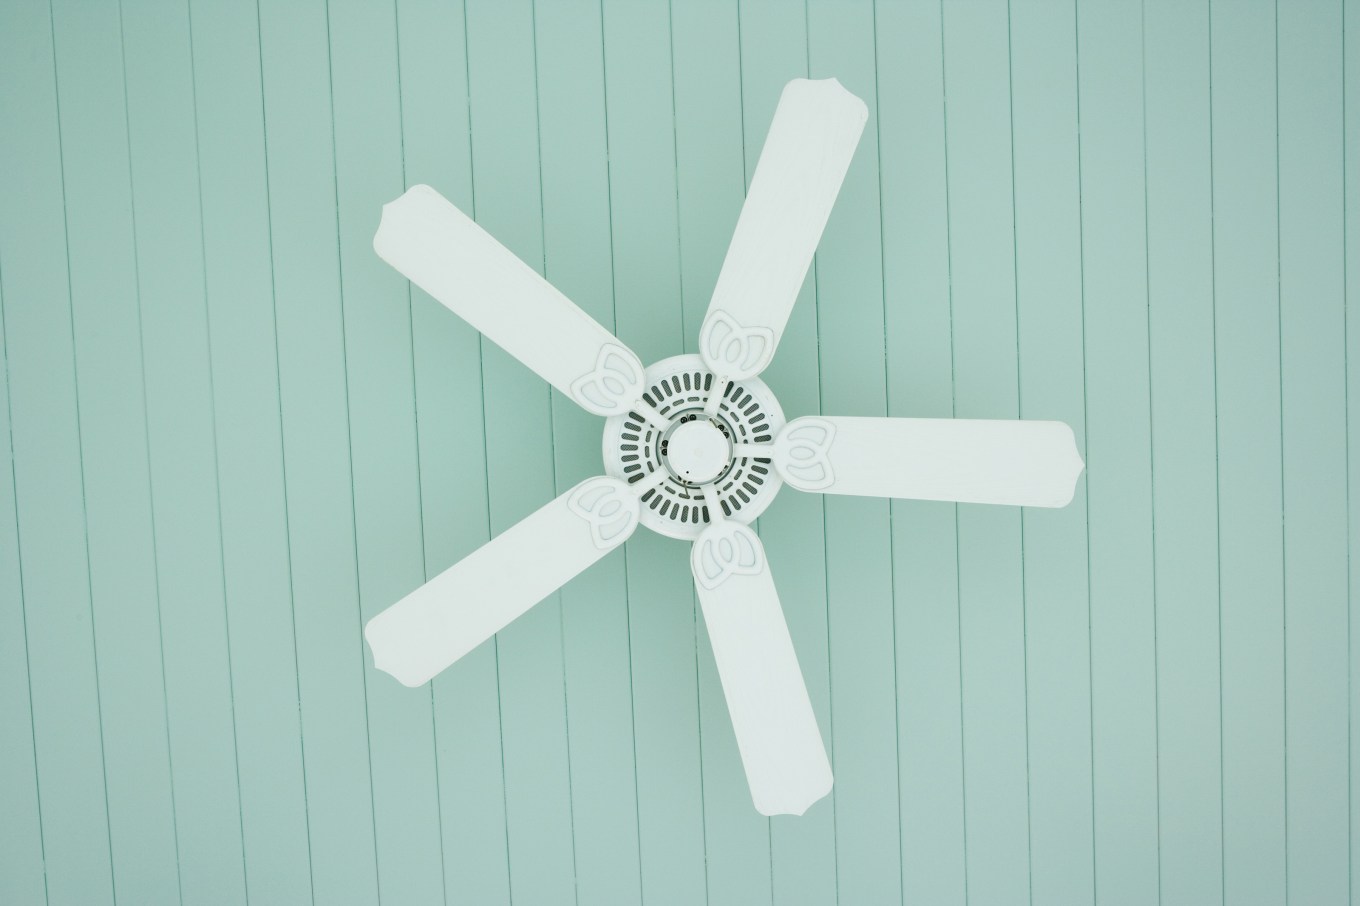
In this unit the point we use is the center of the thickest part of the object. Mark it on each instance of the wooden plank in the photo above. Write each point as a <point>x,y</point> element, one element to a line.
<point>1247,354</point>
<point>917,321</point>
<point>295,60</point>
<point>859,550</point>
<point>238,256</point>
<point>21,840</point>
<point>710,150</point>
<point>182,429</point>
<point>1114,285</point>
<point>1312,420</point>
<point>803,850</point>
<point>986,373</point>
<point>436,149</point>
<point>114,451</point>
<point>378,368</point>
<point>662,612</point>
<point>1185,505</point>
<point>596,649</point>
<point>711,182</point>
<point>47,470</point>
<point>520,475</point>
<point>1052,368</point>
<point>1350,143</point>
<point>62,685</point>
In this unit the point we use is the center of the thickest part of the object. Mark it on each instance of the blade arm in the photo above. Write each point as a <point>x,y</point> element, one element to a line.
<point>469,602</point>
<point>781,748</point>
<point>444,252</point>
<point>816,128</point>
<point>1020,463</point>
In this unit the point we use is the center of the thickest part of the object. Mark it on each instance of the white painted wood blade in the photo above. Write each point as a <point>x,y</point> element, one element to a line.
<point>781,748</point>
<point>1020,463</point>
<point>469,602</point>
<point>441,250</point>
<point>807,152</point>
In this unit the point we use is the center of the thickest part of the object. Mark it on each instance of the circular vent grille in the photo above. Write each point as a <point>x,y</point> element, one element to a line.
<point>678,389</point>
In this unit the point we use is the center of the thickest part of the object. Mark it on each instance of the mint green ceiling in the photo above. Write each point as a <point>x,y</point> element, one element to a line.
<point>231,434</point>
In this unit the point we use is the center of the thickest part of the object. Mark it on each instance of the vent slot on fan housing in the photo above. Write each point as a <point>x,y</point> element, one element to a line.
<point>634,448</point>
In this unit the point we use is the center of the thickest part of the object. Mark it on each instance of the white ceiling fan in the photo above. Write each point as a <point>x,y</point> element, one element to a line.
<point>696,446</point>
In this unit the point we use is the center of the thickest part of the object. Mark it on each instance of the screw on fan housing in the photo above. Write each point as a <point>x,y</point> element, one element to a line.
<point>676,448</point>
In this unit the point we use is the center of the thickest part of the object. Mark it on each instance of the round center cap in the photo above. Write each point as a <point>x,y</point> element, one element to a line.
<point>697,451</point>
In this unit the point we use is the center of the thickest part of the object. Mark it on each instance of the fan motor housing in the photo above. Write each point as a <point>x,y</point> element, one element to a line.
<point>694,450</point>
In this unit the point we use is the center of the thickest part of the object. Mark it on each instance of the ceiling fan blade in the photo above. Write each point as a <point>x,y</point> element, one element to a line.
<point>469,602</point>
<point>1021,463</point>
<point>781,748</point>
<point>441,250</point>
<point>807,151</point>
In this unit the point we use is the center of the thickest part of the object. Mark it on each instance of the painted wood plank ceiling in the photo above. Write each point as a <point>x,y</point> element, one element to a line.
<point>230,435</point>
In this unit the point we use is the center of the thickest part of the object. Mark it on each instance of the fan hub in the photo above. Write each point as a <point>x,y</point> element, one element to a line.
<point>677,449</point>
<point>697,451</point>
